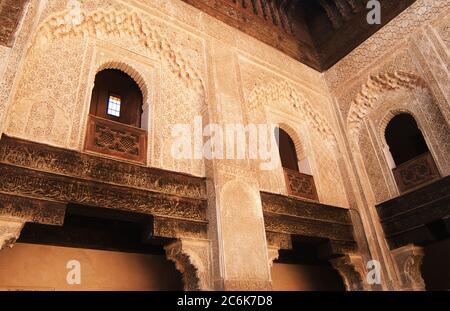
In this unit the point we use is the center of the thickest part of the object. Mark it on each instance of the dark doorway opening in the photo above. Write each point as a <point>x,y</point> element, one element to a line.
<point>117,97</point>
<point>404,138</point>
<point>287,150</point>
<point>118,241</point>
<point>302,268</point>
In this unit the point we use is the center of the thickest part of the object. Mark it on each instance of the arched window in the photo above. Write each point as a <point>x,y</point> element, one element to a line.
<point>115,118</point>
<point>404,138</point>
<point>414,163</point>
<point>117,97</point>
<point>299,180</point>
<point>288,154</point>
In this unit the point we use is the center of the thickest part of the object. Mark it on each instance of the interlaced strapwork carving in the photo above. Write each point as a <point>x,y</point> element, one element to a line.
<point>116,139</point>
<point>416,172</point>
<point>300,185</point>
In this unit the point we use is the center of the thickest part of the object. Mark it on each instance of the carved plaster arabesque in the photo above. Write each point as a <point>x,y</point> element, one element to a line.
<point>10,229</point>
<point>265,95</point>
<point>409,261</point>
<point>351,269</point>
<point>192,259</point>
<point>119,23</point>
<point>368,98</point>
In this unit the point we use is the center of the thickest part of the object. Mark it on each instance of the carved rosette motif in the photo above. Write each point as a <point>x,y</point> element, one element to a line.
<point>10,229</point>
<point>409,261</point>
<point>351,269</point>
<point>192,259</point>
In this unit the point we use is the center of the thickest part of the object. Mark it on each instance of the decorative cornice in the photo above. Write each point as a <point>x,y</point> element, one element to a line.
<point>38,181</point>
<point>22,153</point>
<point>32,210</point>
<point>291,216</point>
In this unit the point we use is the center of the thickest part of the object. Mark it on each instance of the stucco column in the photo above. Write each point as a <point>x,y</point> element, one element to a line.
<point>10,229</point>
<point>408,260</point>
<point>236,224</point>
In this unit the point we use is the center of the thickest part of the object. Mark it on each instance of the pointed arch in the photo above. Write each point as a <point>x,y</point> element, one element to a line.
<point>299,148</point>
<point>130,70</point>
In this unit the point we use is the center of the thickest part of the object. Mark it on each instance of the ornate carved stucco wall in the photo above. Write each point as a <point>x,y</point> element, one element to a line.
<point>188,64</point>
<point>401,68</point>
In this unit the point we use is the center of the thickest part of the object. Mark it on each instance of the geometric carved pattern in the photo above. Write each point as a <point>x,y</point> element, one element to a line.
<point>416,172</point>
<point>300,185</point>
<point>10,229</point>
<point>112,23</point>
<point>116,139</point>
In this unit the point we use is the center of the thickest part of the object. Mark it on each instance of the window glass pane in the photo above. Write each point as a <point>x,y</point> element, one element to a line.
<point>114,106</point>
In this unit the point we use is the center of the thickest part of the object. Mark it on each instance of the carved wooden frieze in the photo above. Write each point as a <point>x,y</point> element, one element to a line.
<point>289,216</point>
<point>405,218</point>
<point>32,210</point>
<point>307,227</point>
<point>69,163</point>
<point>40,180</point>
<point>169,227</point>
<point>279,204</point>
<point>26,182</point>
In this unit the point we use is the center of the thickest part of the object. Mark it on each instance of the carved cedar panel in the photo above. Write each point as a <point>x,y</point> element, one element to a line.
<point>416,172</point>
<point>300,185</point>
<point>116,139</point>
